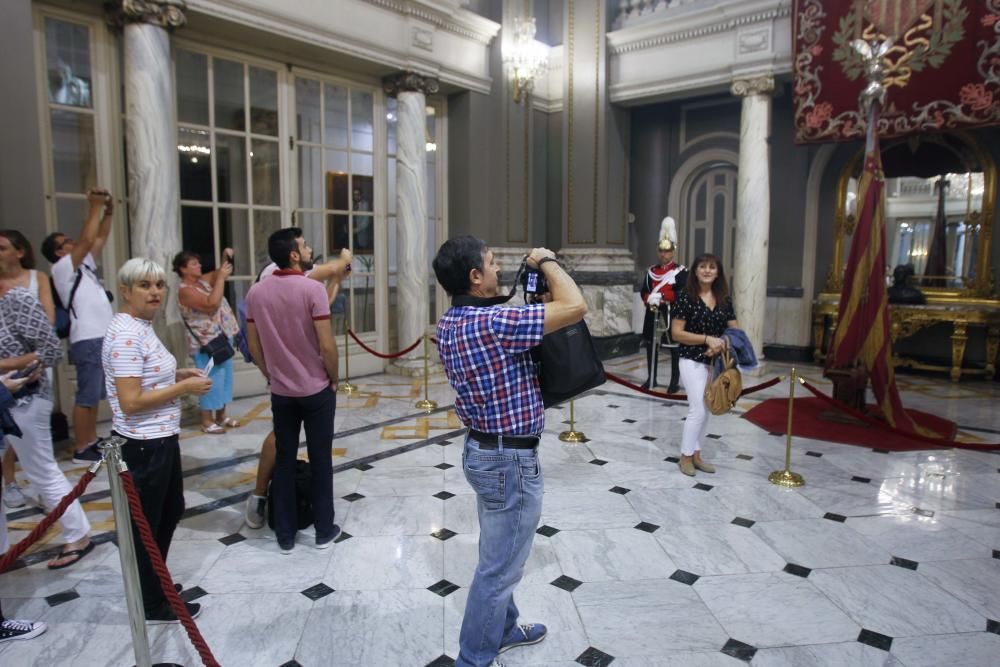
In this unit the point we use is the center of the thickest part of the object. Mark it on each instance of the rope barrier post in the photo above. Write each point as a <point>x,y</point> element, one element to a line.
<point>426,404</point>
<point>346,387</point>
<point>786,477</point>
<point>572,435</point>
<point>112,449</point>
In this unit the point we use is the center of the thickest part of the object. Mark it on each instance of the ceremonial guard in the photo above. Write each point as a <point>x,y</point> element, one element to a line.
<point>662,283</point>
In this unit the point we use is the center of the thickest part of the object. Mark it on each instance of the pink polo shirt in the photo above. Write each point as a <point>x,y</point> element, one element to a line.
<point>284,308</point>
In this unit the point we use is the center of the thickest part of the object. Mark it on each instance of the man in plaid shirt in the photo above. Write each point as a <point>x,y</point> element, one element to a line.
<point>485,348</point>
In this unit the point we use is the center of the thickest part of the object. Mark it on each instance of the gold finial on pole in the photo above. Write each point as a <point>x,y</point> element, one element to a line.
<point>572,435</point>
<point>426,404</point>
<point>786,477</point>
<point>346,387</point>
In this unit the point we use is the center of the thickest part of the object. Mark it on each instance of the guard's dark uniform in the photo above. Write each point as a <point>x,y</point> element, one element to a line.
<point>668,280</point>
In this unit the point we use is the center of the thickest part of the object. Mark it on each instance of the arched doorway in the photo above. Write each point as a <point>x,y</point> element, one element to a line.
<point>708,213</point>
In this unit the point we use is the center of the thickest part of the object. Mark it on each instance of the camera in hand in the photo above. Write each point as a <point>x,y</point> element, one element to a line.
<point>532,281</point>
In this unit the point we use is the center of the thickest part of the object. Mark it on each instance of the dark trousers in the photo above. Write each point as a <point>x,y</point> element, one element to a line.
<point>663,335</point>
<point>316,413</point>
<point>156,468</point>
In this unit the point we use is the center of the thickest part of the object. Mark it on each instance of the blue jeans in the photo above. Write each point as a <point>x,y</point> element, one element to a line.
<point>508,485</point>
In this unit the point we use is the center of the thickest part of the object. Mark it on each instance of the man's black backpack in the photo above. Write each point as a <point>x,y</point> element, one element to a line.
<point>303,497</point>
<point>63,320</point>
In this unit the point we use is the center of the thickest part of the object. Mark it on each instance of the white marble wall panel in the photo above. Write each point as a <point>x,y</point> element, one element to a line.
<point>753,219</point>
<point>411,223</point>
<point>152,146</point>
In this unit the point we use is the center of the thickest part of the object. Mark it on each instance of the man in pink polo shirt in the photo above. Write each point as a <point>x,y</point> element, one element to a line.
<point>290,338</point>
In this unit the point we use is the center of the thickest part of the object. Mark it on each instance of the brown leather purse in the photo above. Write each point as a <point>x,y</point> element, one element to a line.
<point>724,390</point>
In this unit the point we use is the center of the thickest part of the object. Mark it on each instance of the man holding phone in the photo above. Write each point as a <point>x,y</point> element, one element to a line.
<point>74,274</point>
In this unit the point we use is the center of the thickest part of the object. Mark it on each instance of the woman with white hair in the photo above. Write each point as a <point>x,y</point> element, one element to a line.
<point>144,387</point>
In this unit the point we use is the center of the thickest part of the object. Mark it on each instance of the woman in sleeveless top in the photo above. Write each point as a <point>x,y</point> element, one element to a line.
<point>207,314</point>
<point>22,274</point>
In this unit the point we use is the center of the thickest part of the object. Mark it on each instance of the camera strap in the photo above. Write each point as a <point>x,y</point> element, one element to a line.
<point>487,302</point>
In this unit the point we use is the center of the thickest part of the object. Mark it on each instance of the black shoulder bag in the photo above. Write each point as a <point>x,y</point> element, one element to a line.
<point>566,359</point>
<point>218,348</point>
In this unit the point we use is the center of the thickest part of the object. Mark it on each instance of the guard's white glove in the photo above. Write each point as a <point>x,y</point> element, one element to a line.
<point>654,300</point>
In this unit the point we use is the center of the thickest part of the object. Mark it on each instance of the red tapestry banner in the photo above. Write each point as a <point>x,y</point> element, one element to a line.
<point>943,71</point>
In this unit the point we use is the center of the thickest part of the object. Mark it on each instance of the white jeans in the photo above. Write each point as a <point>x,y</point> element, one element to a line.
<point>694,376</point>
<point>34,451</point>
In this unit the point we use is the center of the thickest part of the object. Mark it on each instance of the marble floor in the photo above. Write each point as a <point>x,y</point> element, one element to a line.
<point>880,559</point>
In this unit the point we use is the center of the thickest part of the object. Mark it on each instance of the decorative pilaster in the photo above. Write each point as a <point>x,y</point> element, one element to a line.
<point>412,302</point>
<point>153,177</point>
<point>753,219</point>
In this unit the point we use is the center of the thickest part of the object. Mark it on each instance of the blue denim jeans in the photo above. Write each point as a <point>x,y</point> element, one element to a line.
<point>508,485</point>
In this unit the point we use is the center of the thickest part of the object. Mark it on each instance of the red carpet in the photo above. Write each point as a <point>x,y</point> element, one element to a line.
<point>772,416</point>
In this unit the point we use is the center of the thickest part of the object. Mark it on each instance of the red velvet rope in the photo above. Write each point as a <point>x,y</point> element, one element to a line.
<point>13,554</point>
<point>683,397</point>
<point>166,582</point>
<point>939,442</point>
<point>379,354</point>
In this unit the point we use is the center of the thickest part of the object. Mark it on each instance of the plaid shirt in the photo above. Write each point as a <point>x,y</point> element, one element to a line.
<point>485,352</point>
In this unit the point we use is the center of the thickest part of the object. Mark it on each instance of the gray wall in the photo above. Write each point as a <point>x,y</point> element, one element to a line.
<point>22,194</point>
<point>789,174</point>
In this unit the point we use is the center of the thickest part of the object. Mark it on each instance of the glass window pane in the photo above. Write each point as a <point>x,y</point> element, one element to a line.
<point>336,180</point>
<point>362,128</point>
<point>263,101</point>
<point>265,223</point>
<point>335,115</point>
<point>361,164</point>
<point>234,233</point>
<point>67,56</point>
<point>229,109</point>
<point>73,158</point>
<point>231,168</point>
<point>311,225</point>
<point>363,235</point>
<point>192,87</point>
<point>362,301</point>
<point>361,193</point>
<point>307,123</point>
<point>310,177</point>
<point>70,215</point>
<point>338,233</point>
<point>431,188</point>
<point>391,185</point>
<point>194,155</point>
<point>391,120</point>
<point>196,232</point>
<point>264,166</point>
<point>431,125</point>
<point>391,252</point>
<point>236,291</point>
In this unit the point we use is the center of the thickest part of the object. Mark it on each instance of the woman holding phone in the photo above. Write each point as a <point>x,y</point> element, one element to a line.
<point>207,315</point>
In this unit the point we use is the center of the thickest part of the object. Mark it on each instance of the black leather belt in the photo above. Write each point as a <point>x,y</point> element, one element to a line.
<point>492,440</point>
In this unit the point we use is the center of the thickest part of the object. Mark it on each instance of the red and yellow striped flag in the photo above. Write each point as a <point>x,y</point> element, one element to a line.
<point>862,332</point>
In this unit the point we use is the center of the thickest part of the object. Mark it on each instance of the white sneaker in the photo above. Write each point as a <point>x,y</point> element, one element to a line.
<point>12,496</point>
<point>254,513</point>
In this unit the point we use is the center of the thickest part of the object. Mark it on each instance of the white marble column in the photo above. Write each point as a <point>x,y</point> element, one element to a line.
<point>412,300</point>
<point>150,129</point>
<point>753,220</point>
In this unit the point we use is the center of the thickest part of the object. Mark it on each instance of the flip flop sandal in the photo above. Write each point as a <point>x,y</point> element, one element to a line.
<point>77,555</point>
<point>213,429</point>
<point>229,422</point>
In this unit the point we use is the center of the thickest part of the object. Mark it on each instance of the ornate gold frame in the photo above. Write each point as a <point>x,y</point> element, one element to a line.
<point>981,288</point>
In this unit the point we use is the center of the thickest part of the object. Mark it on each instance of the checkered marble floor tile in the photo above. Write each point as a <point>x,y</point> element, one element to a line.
<point>880,559</point>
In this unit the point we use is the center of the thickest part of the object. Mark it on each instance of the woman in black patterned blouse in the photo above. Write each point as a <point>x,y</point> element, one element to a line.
<point>702,314</point>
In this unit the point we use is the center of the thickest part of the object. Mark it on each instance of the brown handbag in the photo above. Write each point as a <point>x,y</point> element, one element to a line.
<point>724,390</point>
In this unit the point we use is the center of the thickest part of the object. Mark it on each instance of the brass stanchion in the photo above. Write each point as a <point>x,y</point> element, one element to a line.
<point>572,435</point>
<point>786,477</point>
<point>426,404</point>
<point>346,387</point>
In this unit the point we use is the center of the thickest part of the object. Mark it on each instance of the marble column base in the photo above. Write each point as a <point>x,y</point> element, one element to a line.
<point>606,277</point>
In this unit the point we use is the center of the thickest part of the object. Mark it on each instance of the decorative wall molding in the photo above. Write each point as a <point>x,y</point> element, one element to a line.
<point>696,25</point>
<point>434,37</point>
<point>707,47</point>
<point>409,82</point>
<point>459,21</point>
<point>167,14</point>
<point>758,85</point>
